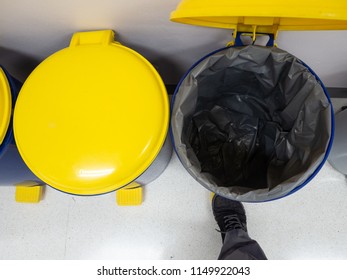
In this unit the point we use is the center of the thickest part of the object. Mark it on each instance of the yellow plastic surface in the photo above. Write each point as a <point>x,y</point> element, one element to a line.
<point>267,15</point>
<point>131,195</point>
<point>5,105</point>
<point>28,192</point>
<point>92,117</point>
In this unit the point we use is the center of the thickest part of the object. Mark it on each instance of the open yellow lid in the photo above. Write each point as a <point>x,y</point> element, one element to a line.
<point>268,16</point>
<point>5,105</point>
<point>91,118</point>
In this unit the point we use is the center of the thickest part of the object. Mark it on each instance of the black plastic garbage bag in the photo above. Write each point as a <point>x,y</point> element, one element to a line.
<point>251,123</point>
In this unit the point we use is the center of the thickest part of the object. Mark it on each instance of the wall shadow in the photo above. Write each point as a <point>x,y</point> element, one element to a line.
<point>18,64</point>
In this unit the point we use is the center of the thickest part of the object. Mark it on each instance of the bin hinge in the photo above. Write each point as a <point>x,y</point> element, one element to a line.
<point>253,32</point>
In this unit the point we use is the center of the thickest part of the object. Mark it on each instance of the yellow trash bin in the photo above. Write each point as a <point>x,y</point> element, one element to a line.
<point>93,117</point>
<point>254,123</point>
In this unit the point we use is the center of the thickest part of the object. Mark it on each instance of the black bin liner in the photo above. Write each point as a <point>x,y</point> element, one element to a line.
<point>251,123</point>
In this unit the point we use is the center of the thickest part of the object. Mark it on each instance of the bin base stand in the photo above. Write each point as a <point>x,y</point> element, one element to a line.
<point>131,195</point>
<point>29,192</point>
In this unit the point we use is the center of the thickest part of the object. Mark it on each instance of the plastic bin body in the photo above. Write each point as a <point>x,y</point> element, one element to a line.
<point>13,170</point>
<point>338,155</point>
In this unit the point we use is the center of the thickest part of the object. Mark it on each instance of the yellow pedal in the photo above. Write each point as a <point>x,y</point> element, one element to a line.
<point>131,195</point>
<point>212,194</point>
<point>28,192</point>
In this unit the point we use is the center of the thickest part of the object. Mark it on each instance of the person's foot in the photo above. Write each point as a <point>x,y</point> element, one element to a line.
<point>229,214</point>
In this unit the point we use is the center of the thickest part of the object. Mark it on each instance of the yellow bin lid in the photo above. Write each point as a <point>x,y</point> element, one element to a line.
<point>5,105</point>
<point>267,15</point>
<point>91,118</point>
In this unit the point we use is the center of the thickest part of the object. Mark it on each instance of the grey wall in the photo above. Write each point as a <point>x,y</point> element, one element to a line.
<point>37,28</point>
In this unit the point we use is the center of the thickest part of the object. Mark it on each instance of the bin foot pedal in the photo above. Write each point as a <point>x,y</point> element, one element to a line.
<point>29,192</point>
<point>131,195</point>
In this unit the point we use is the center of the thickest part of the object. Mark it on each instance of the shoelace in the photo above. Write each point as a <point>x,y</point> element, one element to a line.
<point>232,222</point>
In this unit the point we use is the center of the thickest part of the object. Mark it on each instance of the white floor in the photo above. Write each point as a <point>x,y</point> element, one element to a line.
<point>174,222</point>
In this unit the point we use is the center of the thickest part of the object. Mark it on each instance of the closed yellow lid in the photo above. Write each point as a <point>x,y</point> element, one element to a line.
<point>91,118</point>
<point>5,105</point>
<point>268,15</point>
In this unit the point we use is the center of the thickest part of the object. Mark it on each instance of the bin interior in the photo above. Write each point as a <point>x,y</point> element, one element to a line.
<point>251,123</point>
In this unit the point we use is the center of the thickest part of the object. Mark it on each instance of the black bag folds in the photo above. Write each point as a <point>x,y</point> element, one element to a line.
<point>251,123</point>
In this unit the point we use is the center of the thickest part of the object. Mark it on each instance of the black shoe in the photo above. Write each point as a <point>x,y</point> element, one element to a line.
<point>229,214</point>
